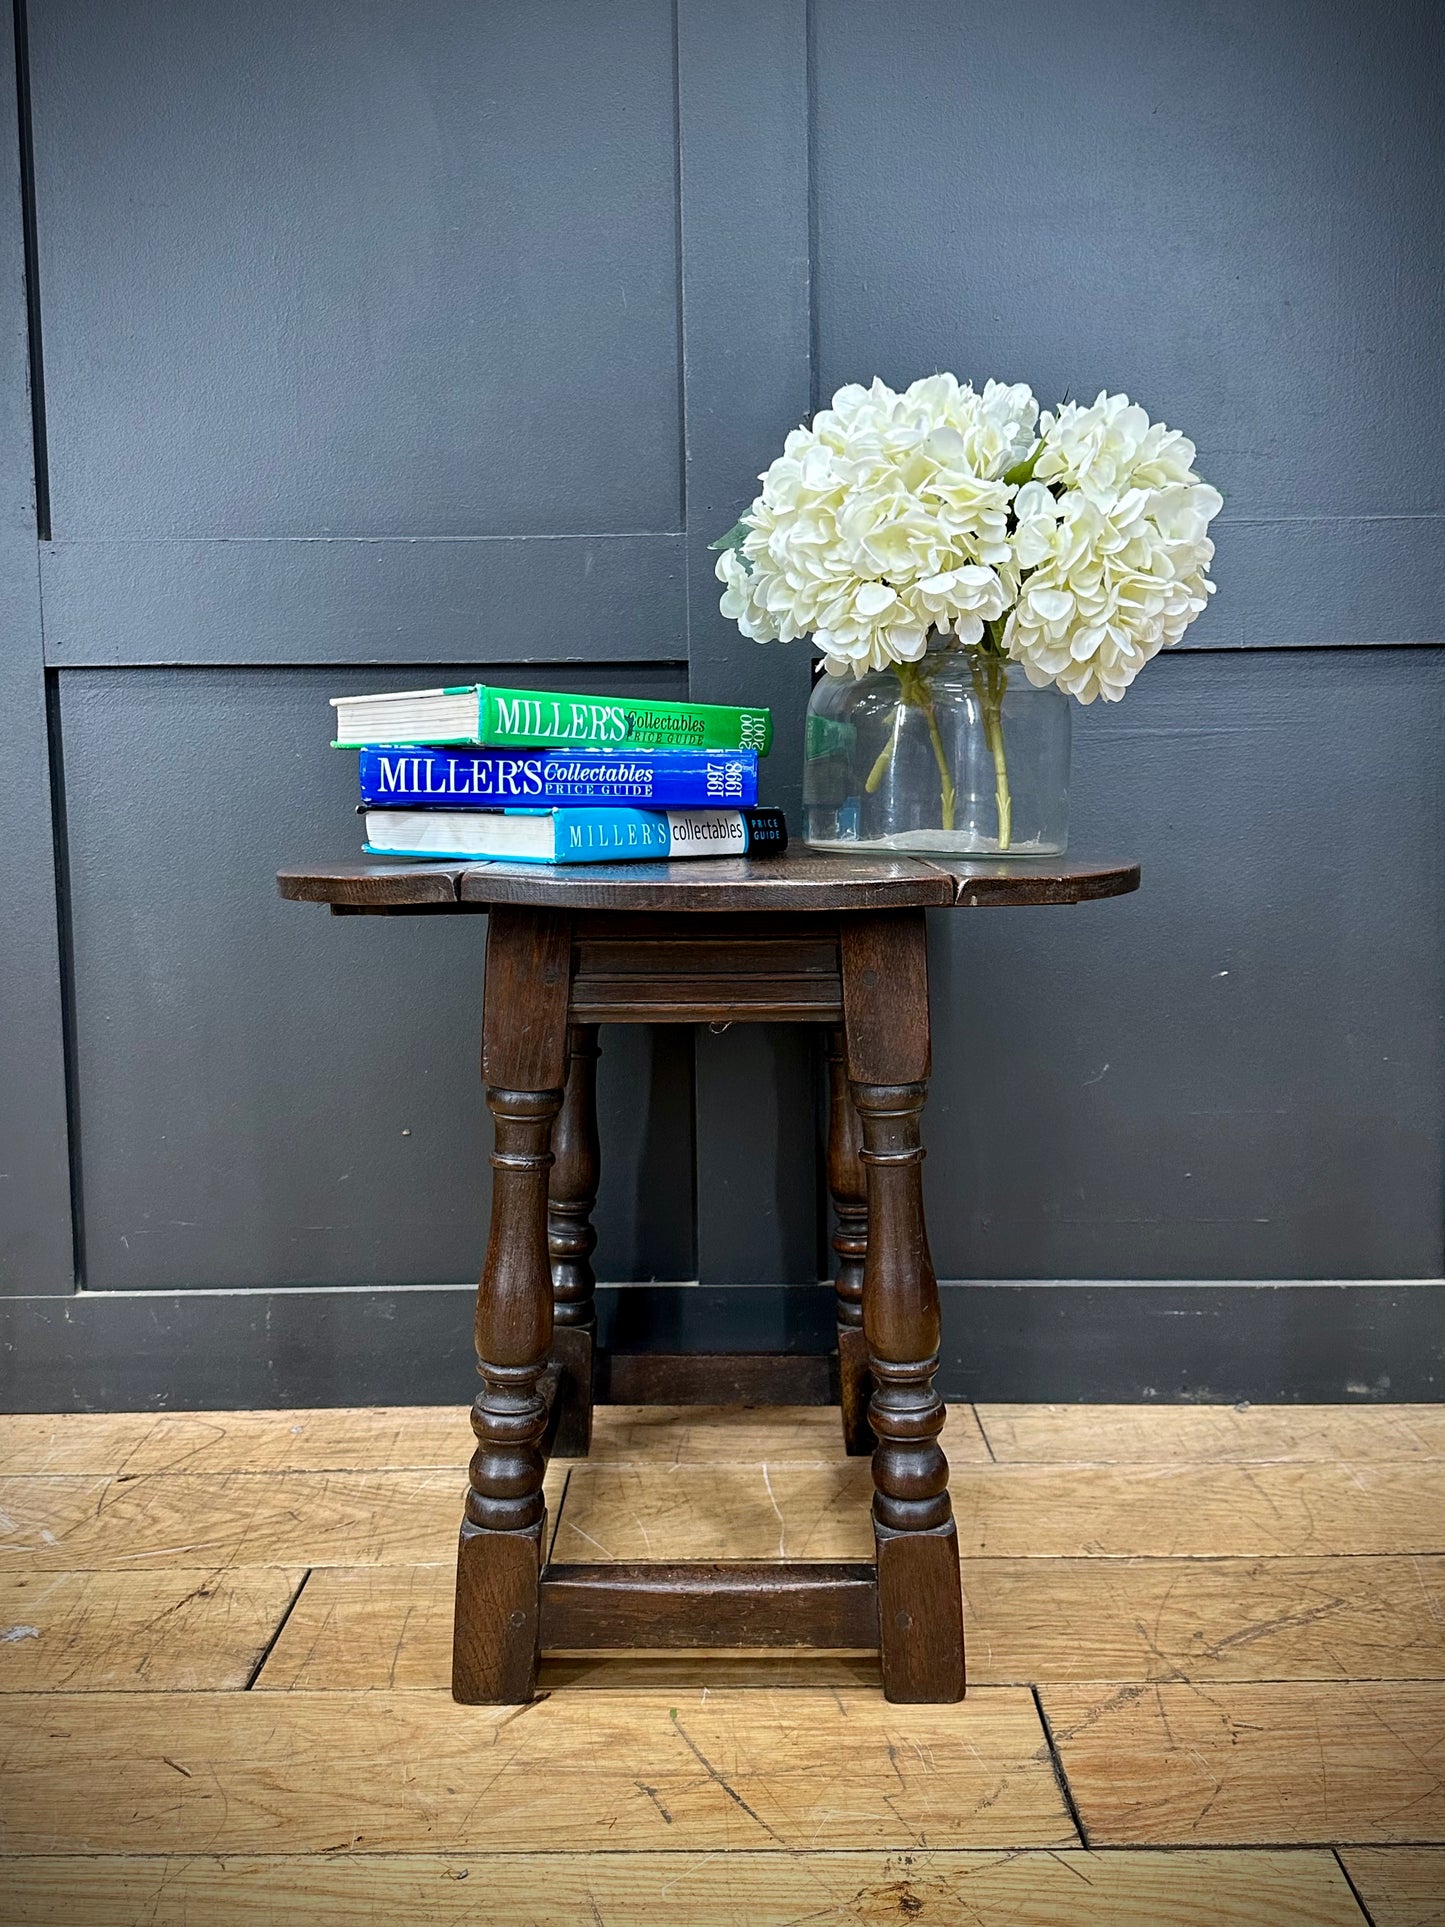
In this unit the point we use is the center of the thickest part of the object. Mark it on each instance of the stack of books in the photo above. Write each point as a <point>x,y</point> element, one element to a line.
<point>524,776</point>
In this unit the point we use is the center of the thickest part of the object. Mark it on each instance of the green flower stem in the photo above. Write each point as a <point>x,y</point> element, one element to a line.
<point>915,693</point>
<point>923,696</point>
<point>990,679</point>
<point>885,755</point>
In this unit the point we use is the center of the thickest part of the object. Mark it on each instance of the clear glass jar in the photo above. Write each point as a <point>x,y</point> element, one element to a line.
<point>958,753</point>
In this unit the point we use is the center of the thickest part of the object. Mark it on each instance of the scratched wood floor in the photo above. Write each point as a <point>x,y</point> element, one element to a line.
<point>1207,1663</point>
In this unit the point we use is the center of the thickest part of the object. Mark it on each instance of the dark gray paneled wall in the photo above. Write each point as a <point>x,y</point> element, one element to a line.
<point>363,339</point>
<point>385,342</point>
<point>271,1098</point>
<point>1236,213</point>
<point>1237,1073</point>
<point>358,268</point>
<point>36,1252</point>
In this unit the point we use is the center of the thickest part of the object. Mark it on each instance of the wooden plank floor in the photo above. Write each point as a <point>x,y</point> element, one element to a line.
<point>1207,1665</point>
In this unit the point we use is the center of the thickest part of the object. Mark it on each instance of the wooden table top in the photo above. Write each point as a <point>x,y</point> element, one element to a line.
<point>799,879</point>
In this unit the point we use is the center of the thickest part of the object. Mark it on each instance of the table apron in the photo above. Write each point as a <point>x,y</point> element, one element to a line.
<point>683,976</point>
<point>760,1000</point>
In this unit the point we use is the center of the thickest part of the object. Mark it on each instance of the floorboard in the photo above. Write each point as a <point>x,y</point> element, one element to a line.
<point>1206,1619</point>
<point>164,1519</point>
<point>164,1632</point>
<point>397,1772</point>
<point>1216,1434</point>
<point>403,1438</point>
<point>1028,1620</point>
<point>1401,1886</point>
<point>340,1439</point>
<point>1240,1765</point>
<point>743,1889</point>
<point>1011,1511</point>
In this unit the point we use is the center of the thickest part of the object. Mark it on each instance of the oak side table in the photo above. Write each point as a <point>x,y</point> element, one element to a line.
<point>804,937</point>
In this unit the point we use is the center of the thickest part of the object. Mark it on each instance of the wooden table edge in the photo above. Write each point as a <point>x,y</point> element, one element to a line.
<point>913,883</point>
<point>980,884</point>
<point>371,885</point>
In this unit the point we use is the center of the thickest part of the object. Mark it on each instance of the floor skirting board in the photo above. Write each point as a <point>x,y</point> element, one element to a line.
<point>1064,1342</point>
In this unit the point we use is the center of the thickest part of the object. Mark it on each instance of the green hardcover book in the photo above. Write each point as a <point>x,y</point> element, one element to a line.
<point>539,719</point>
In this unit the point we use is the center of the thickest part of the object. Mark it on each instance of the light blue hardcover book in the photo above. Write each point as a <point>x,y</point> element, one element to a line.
<point>574,836</point>
<point>499,779</point>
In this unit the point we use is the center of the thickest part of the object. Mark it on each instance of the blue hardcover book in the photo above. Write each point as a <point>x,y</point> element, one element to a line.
<point>497,779</point>
<point>574,836</point>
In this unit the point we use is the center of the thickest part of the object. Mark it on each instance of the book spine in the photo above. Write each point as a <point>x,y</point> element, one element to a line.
<point>522,718</point>
<point>620,836</point>
<point>489,779</point>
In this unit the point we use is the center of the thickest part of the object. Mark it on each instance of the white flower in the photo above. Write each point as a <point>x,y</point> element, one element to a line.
<point>1109,447</point>
<point>1036,514</point>
<point>889,518</point>
<point>885,519</point>
<point>1110,547</point>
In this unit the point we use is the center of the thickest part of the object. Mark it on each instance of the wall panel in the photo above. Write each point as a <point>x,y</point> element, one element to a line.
<point>352,268</point>
<point>35,1222</point>
<point>1235,213</point>
<point>267,1095</point>
<point>364,336</point>
<point>475,599</point>
<point>1236,1073</point>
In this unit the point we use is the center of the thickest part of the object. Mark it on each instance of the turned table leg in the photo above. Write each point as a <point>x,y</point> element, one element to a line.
<point>920,1613</point>
<point>571,1240</point>
<point>847,1186</point>
<point>495,1645</point>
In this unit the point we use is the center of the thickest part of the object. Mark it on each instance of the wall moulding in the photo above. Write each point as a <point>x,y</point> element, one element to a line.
<point>1302,1341</point>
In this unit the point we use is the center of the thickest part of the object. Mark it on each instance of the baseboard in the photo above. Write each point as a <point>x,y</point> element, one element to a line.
<point>1062,1342</point>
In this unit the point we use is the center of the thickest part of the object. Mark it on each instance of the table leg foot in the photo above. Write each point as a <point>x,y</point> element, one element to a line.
<point>496,1635</point>
<point>920,1615</point>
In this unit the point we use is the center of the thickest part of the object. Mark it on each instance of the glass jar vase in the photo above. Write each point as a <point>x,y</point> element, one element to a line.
<point>958,754</point>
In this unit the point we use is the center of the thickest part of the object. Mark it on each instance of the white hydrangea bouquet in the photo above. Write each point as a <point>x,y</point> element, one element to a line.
<point>1071,542</point>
